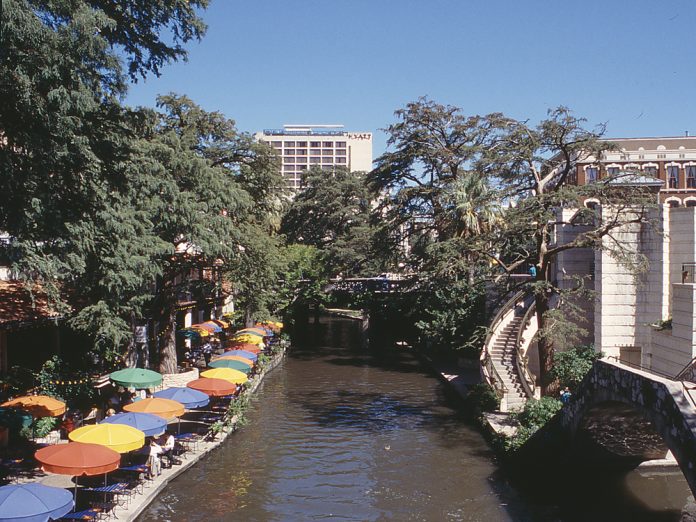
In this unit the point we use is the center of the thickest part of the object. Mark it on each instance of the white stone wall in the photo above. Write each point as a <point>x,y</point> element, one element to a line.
<point>673,349</point>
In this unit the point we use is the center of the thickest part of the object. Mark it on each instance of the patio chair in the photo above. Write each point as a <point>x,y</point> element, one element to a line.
<point>85,514</point>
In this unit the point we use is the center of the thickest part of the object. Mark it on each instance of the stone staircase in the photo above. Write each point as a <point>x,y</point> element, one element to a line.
<point>499,359</point>
<point>503,353</point>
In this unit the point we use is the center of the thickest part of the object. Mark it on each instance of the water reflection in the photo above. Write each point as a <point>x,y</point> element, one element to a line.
<point>344,433</point>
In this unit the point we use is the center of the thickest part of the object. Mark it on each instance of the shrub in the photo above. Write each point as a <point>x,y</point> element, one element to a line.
<point>571,366</point>
<point>536,413</point>
<point>482,397</point>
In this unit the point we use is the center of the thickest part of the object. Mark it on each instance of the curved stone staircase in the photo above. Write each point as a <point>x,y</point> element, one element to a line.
<point>503,364</point>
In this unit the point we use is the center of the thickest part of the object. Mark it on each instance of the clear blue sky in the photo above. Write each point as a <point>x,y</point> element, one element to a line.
<point>631,64</point>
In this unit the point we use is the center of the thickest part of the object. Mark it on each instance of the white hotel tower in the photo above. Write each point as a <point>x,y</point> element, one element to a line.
<point>303,146</point>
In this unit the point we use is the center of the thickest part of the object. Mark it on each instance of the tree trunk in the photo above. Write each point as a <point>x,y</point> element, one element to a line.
<point>131,355</point>
<point>544,344</point>
<point>167,344</point>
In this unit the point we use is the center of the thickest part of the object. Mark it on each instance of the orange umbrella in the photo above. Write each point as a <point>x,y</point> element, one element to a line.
<point>236,358</point>
<point>78,458</point>
<point>245,346</point>
<point>213,387</point>
<point>37,405</point>
<point>165,408</point>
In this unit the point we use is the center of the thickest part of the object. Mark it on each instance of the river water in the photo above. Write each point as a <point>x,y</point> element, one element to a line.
<point>342,432</point>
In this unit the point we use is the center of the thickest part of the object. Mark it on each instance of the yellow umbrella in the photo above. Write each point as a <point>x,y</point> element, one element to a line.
<point>37,405</point>
<point>235,358</point>
<point>165,408</point>
<point>251,339</point>
<point>227,374</point>
<point>118,437</point>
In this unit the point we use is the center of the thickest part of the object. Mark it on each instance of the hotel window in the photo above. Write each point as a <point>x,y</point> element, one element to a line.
<point>327,152</point>
<point>590,174</point>
<point>301,152</point>
<point>340,160</point>
<point>300,168</point>
<point>340,143</point>
<point>301,143</point>
<point>673,176</point>
<point>650,171</point>
<point>340,152</point>
<point>315,151</point>
<point>289,143</point>
<point>301,160</point>
<point>315,143</point>
<point>691,176</point>
<point>327,144</point>
<point>288,160</point>
<point>327,160</point>
<point>288,168</point>
<point>290,152</point>
<point>613,171</point>
<point>314,160</point>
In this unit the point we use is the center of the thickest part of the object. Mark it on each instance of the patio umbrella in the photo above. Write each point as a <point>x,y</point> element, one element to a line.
<point>248,338</point>
<point>117,437</point>
<point>241,353</point>
<point>164,408</point>
<point>138,378</point>
<point>221,323</point>
<point>78,458</point>
<point>253,331</point>
<point>37,405</point>
<point>215,328</point>
<point>210,328</point>
<point>33,502</point>
<point>253,348</point>
<point>230,363</point>
<point>189,397</point>
<point>266,329</point>
<point>228,374</point>
<point>150,425</point>
<point>213,387</point>
<point>244,360</point>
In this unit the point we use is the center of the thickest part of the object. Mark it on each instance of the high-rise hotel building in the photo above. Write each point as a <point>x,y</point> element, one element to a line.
<point>326,146</point>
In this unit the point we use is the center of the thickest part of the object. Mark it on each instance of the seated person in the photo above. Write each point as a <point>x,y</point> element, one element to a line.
<point>168,444</point>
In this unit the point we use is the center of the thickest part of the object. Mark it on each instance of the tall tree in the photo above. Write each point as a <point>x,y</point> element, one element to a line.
<point>536,168</point>
<point>332,213</point>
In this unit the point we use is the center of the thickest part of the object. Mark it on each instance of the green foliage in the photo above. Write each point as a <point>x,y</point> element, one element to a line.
<point>44,425</point>
<point>536,413</point>
<point>570,367</point>
<point>482,398</point>
<point>332,213</point>
<point>448,313</point>
<point>57,379</point>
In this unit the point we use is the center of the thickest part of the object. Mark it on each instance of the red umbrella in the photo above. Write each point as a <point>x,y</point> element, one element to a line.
<point>245,346</point>
<point>213,387</point>
<point>78,458</point>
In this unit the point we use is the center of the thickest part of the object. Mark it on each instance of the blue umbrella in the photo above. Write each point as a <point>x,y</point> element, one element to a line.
<point>189,397</point>
<point>33,503</point>
<point>150,425</point>
<point>242,353</point>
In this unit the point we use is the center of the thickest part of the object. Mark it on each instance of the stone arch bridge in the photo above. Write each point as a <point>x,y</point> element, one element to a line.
<point>654,414</point>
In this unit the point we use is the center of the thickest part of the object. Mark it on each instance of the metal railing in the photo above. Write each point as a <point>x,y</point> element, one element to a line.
<point>681,377</point>
<point>522,361</point>
<point>489,372</point>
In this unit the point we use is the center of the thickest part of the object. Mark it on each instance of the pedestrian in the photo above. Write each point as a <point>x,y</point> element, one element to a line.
<point>565,395</point>
<point>153,460</point>
<point>207,352</point>
<point>532,271</point>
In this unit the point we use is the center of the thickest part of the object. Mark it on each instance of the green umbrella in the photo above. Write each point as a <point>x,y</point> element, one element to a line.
<point>138,378</point>
<point>227,363</point>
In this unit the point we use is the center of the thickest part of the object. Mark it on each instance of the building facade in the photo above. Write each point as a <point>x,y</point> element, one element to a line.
<point>326,146</point>
<point>646,320</point>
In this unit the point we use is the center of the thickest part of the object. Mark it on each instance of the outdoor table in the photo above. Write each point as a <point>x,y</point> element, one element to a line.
<point>85,514</point>
<point>137,468</point>
<point>188,438</point>
<point>120,488</point>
